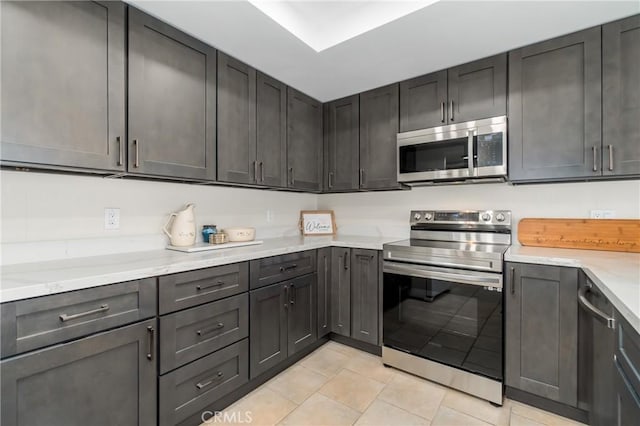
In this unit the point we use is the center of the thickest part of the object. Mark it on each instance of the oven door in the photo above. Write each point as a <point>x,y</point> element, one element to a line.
<point>450,316</point>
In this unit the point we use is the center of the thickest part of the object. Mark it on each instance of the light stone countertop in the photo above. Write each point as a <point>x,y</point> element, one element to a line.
<point>26,280</point>
<point>616,274</point>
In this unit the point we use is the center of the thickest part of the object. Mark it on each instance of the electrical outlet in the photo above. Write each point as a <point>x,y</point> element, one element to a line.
<point>597,214</point>
<point>608,214</point>
<point>111,219</point>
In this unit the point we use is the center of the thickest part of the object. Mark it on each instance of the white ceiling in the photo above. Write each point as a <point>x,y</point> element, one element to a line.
<point>441,35</point>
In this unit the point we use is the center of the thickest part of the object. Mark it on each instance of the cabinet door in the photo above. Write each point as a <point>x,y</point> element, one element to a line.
<point>627,402</point>
<point>478,89</point>
<point>364,295</point>
<point>304,141</point>
<point>423,102</point>
<point>601,341</point>
<point>267,328</point>
<point>341,291</point>
<point>303,312</point>
<point>236,121</point>
<point>272,131</point>
<point>621,97</point>
<point>343,144</point>
<point>541,331</point>
<point>324,291</point>
<point>378,135</point>
<point>555,108</point>
<point>63,83</point>
<point>105,379</point>
<point>172,101</point>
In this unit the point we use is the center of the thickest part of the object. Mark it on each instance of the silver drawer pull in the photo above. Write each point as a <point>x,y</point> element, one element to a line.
<point>288,268</point>
<point>209,330</point>
<point>210,381</point>
<point>204,287</point>
<point>102,308</point>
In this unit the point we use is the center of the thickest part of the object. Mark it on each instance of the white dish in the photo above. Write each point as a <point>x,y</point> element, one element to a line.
<point>206,246</point>
<point>240,234</point>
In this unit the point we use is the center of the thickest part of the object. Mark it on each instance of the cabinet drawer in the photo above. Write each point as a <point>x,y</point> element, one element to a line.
<point>274,269</point>
<point>196,332</point>
<point>187,289</point>
<point>43,321</point>
<point>194,387</point>
<point>628,351</point>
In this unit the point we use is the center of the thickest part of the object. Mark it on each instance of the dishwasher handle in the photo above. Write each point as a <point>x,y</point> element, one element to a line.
<point>589,307</point>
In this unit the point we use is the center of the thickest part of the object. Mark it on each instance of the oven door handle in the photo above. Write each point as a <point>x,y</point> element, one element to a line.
<point>473,278</point>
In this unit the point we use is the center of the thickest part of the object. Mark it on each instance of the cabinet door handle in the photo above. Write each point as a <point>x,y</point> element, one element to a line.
<point>512,272</point>
<point>102,308</point>
<point>255,171</point>
<point>261,172</point>
<point>288,268</point>
<point>291,176</point>
<point>151,333</point>
<point>201,385</point>
<point>442,107</point>
<point>610,322</point>
<point>610,158</point>
<point>330,180</point>
<point>361,177</point>
<point>136,158</point>
<point>595,160</point>
<point>204,287</point>
<point>292,300</point>
<point>211,329</point>
<point>451,110</point>
<point>286,296</point>
<point>346,261</point>
<point>120,151</point>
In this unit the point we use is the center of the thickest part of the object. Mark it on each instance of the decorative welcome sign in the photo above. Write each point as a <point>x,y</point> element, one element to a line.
<point>317,222</point>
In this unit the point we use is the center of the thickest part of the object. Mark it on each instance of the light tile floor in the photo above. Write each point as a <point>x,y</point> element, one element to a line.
<point>340,385</point>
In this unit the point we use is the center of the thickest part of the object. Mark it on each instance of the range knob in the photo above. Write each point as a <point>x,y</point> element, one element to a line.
<point>500,217</point>
<point>417,216</point>
<point>486,217</point>
<point>428,216</point>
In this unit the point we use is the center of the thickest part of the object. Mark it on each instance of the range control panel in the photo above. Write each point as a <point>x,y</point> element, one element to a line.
<point>477,217</point>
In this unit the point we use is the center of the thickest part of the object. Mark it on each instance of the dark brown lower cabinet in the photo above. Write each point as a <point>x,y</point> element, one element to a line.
<point>282,321</point>
<point>541,331</point>
<point>105,379</point>
<point>192,388</point>
<point>354,294</point>
<point>324,291</point>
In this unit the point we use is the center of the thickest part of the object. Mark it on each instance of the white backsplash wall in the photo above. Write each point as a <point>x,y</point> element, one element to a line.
<point>387,213</point>
<point>51,216</point>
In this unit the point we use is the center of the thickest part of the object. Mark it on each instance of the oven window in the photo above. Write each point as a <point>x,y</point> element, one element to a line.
<point>455,324</point>
<point>434,156</point>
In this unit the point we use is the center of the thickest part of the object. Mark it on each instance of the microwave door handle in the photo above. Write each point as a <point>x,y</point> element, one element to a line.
<point>470,152</point>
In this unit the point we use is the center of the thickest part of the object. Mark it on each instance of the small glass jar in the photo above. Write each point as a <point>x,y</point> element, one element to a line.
<point>208,230</point>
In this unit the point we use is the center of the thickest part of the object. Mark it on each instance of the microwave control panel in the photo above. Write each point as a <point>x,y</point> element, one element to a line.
<point>489,150</point>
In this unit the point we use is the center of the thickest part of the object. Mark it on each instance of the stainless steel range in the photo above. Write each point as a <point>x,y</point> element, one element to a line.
<point>443,299</point>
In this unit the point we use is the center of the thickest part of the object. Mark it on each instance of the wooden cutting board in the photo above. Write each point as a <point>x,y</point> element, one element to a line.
<point>588,234</point>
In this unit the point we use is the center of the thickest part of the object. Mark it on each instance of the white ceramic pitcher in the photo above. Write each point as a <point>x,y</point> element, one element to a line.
<point>183,227</point>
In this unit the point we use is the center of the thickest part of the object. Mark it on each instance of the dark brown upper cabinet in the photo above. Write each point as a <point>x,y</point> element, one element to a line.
<point>63,84</point>
<point>172,102</point>
<point>236,121</point>
<point>378,133</point>
<point>621,97</point>
<point>304,141</point>
<point>342,144</point>
<point>467,92</point>
<point>271,153</point>
<point>555,108</point>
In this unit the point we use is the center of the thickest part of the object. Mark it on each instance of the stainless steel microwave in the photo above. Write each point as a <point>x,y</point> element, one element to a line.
<point>461,151</point>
